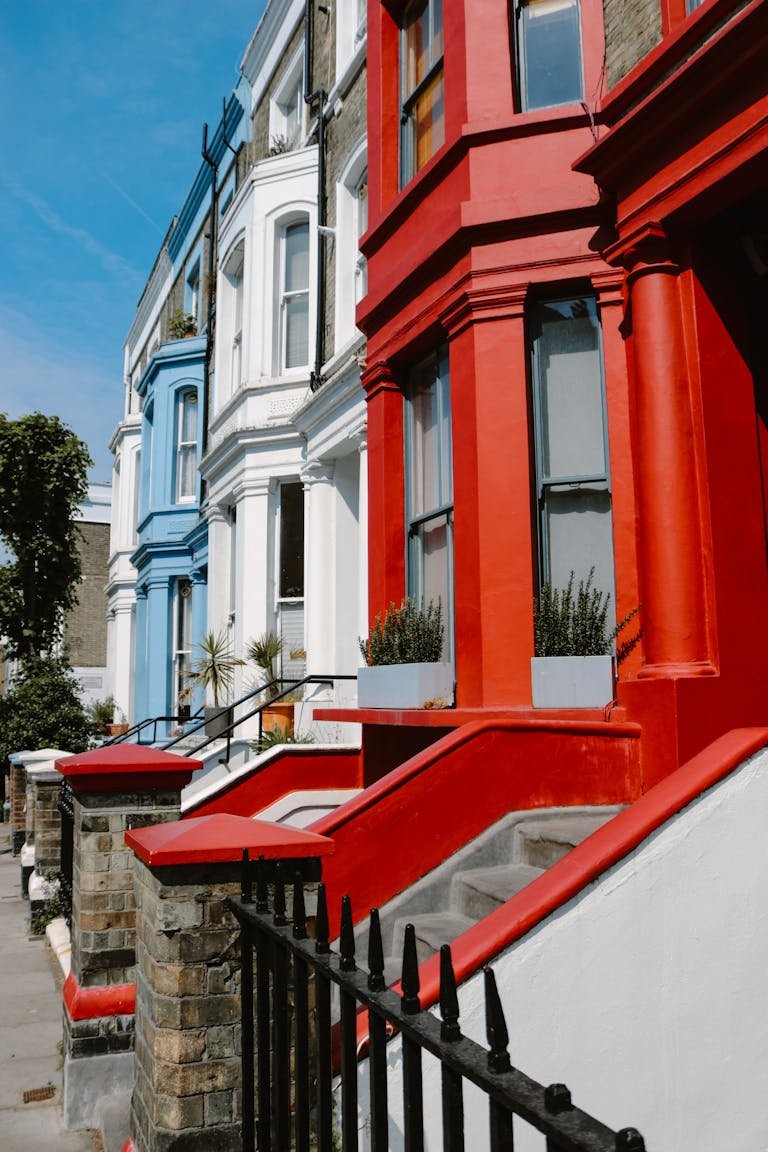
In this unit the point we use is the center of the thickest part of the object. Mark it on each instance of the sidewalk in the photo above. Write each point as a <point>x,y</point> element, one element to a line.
<point>30,1028</point>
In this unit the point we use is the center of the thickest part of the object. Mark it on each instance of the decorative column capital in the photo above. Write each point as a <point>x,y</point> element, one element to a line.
<point>317,472</point>
<point>647,249</point>
<point>477,303</point>
<point>378,377</point>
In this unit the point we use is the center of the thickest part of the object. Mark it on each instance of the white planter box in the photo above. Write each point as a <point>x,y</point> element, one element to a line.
<point>572,681</point>
<point>404,685</point>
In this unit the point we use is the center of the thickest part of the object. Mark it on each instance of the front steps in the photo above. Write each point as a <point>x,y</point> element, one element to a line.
<point>479,878</point>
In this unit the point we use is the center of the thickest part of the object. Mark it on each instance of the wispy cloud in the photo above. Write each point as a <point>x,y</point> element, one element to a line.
<point>110,261</point>
<point>41,372</point>
<point>131,201</point>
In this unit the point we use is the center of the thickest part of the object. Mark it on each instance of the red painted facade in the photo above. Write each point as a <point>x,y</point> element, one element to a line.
<point>643,205</point>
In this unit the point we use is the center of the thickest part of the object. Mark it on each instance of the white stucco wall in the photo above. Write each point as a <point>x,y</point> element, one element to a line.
<point>646,993</point>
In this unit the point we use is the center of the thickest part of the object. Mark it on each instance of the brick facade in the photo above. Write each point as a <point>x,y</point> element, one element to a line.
<point>187,1071</point>
<point>85,628</point>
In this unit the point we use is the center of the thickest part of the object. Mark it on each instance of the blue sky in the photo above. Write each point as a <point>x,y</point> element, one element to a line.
<point>103,103</point>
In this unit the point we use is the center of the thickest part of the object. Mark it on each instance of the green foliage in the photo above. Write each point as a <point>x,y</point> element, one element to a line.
<point>43,477</point>
<point>215,667</point>
<point>50,910</point>
<point>575,624</point>
<point>280,735</point>
<point>181,324</point>
<point>42,709</point>
<point>101,713</point>
<point>406,635</point>
<point>264,650</point>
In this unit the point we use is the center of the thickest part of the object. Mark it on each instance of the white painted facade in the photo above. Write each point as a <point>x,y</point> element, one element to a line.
<point>645,993</point>
<point>268,429</point>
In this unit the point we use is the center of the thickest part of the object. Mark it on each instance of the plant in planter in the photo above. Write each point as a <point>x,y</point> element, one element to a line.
<point>214,671</point>
<point>265,651</point>
<point>101,716</point>
<point>574,661</point>
<point>181,324</point>
<point>403,657</point>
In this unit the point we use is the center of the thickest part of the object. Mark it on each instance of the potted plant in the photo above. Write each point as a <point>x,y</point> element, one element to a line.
<point>403,660</point>
<point>265,651</point>
<point>214,671</point>
<point>119,725</point>
<point>574,665</point>
<point>181,324</point>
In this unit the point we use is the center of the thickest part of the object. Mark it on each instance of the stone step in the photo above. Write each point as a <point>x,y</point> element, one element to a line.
<point>432,930</point>
<point>479,891</point>
<point>543,842</point>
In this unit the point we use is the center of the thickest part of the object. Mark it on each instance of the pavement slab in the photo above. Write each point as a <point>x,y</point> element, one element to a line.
<point>30,1027</point>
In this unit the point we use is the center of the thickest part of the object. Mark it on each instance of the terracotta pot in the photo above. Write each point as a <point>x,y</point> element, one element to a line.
<point>277,715</point>
<point>118,729</point>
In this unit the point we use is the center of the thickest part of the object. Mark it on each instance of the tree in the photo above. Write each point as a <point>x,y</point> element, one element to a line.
<point>43,477</point>
<point>42,709</point>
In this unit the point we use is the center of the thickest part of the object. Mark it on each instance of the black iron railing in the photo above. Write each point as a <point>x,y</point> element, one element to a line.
<point>287,1077</point>
<point>280,689</point>
<point>136,733</point>
<point>67,810</point>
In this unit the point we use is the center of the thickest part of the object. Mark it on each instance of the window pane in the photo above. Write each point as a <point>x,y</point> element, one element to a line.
<point>551,53</point>
<point>579,535</point>
<point>188,417</point>
<point>297,258</point>
<point>571,396</point>
<point>429,121</point>
<point>416,25</point>
<point>297,331</point>
<point>186,467</point>
<point>425,479</point>
<point>291,540</point>
<point>435,556</point>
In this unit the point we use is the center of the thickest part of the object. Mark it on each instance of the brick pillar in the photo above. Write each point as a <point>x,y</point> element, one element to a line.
<point>187,1078</point>
<point>115,788</point>
<point>18,793</point>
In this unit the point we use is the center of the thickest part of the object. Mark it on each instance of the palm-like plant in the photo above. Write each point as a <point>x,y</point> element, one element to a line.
<point>264,650</point>
<point>214,669</point>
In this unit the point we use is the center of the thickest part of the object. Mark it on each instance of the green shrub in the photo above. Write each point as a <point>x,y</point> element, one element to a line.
<point>50,910</point>
<point>101,713</point>
<point>575,624</point>
<point>406,635</point>
<point>42,709</point>
<point>280,735</point>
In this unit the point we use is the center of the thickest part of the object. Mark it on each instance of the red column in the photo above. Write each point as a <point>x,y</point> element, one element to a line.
<point>670,538</point>
<point>494,544</point>
<point>386,489</point>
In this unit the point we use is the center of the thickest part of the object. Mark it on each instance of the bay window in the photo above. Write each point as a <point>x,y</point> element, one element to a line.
<point>572,474</point>
<point>422,113</point>
<point>429,488</point>
<point>549,53</point>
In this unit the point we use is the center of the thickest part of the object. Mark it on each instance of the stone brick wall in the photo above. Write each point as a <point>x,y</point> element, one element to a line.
<point>18,798</point>
<point>632,29</point>
<point>47,826</point>
<point>187,1070</point>
<point>85,627</point>
<point>103,904</point>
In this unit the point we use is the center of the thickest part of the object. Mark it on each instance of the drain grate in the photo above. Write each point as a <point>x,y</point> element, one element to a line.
<point>33,1095</point>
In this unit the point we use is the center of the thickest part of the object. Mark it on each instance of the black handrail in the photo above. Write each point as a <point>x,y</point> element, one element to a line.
<point>293,686</point>
<point>140,725</point>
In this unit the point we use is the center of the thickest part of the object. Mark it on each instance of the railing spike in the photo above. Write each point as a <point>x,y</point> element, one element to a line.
<point>299,911</point>
<point>262,892</point>
<point>629,1140</point>
<point>321,922</point>
<point>346,937</point>
<point>279,916</point>
<point>246,892</point>
<point>376,981</point>
<point>557,1098</point>
<point>449,1000</point>
<point>409,1001</point>
<point>496,1026</point>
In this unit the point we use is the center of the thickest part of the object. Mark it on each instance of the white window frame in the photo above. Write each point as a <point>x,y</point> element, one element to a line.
<point>351,28</point>
<point>182,602</point>
<point>193,296</point>
<point>351,267</point>
<point>185,447</point>
<point>291,84</point>
<point>284,295</point>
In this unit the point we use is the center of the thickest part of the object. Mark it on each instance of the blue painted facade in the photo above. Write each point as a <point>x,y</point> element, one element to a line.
<point>172,554</point>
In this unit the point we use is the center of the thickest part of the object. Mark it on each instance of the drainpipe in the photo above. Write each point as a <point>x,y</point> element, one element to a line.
<point>211,289</point>
<point>316,100</point>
